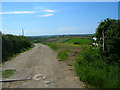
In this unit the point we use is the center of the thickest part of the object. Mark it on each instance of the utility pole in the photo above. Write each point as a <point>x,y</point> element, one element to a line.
<point>103,40</point>
<point>22,32</point>
<point>63,38</point>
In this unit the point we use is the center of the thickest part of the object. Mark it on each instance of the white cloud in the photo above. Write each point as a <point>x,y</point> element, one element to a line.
<point>47,15</point>
<point>18,12</point>
<point>49,11</point>
<point>38,8</point>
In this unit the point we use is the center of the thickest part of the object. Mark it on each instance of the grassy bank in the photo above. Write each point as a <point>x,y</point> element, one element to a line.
<point>93,70</point>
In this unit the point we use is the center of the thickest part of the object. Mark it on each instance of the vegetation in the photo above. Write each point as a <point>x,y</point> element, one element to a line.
<point>13,45</point>
<point>98,68</point>
<point>8,73</point>
<point>80,41</point>
<point>63,54</point>
<point>53,46</point>
<point>111,30</point>
<point>93,70</point>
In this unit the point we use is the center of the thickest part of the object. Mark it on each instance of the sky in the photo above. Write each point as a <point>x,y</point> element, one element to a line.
<point>52,18</point>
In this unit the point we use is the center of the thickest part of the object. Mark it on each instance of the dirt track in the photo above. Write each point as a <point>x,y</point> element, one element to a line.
<point>41,60</point>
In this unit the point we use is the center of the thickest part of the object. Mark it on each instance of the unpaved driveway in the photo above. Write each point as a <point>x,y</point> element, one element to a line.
<point>41,60</point>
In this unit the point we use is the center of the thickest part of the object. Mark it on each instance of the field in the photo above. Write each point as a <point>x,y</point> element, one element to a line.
<point>78,40</point>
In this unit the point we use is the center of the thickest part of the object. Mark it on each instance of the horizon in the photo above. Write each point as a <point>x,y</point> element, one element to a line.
<point>55,18</point>
<point>62,35</point>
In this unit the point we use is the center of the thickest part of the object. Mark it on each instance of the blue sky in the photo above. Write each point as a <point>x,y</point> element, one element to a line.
<point>46,18</point>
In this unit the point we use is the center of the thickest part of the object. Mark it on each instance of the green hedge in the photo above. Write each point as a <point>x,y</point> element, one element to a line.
<point>11,45</point>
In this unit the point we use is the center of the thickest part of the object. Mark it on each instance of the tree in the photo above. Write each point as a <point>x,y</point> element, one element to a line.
<point>111,28</point>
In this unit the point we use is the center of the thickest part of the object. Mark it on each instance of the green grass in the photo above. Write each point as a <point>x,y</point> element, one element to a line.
<point>80,41</point>
<point>8,73</point>
<point>63,54</point>
<point>93,70</point>
<point>52,46</point>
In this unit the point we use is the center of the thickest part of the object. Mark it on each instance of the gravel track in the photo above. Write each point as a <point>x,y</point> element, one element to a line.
<point>41,66</point>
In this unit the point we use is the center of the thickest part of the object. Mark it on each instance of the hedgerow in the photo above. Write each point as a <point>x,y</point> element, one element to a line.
<point>11,45</point>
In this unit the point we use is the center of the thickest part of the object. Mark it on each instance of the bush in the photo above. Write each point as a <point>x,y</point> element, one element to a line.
<point>111,28</point>
<point>11,45</point>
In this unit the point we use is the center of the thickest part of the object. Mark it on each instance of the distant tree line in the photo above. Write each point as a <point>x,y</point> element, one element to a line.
<point>11,45</point>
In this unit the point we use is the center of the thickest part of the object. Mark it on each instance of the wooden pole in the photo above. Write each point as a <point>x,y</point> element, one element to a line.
<point>22,32</point>
<point>103,41</point>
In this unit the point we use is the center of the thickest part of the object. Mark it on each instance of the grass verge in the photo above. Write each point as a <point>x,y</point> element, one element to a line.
<point>93,70</point>
<point>63,54</point>
<point>52,46</point>
<point>8,73</point>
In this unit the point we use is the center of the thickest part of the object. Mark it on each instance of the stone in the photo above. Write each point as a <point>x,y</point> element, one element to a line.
<point>44,78</point>
<point>38,77</point>
<point>47,82</point>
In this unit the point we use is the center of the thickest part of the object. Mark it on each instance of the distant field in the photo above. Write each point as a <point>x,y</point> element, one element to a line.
<point>73,40</point>
<point>79,41</point>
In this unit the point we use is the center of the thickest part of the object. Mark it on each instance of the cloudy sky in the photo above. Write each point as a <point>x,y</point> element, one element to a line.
<point>46,18</point>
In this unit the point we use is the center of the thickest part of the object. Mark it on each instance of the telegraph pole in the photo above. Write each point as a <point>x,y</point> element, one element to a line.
<point>22,32</point>
<point>103,40</point>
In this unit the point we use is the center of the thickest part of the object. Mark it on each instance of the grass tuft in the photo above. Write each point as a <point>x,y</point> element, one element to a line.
<point>8,73</point>
<point>63,54</point>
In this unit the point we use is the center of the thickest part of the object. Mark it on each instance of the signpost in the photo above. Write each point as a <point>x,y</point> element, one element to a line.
<point>94,42</point>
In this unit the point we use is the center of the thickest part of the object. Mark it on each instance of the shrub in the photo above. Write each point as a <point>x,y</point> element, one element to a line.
<point>111,28</point>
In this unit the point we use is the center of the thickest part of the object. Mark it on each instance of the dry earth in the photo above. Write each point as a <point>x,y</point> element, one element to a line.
<point>41,66</point>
